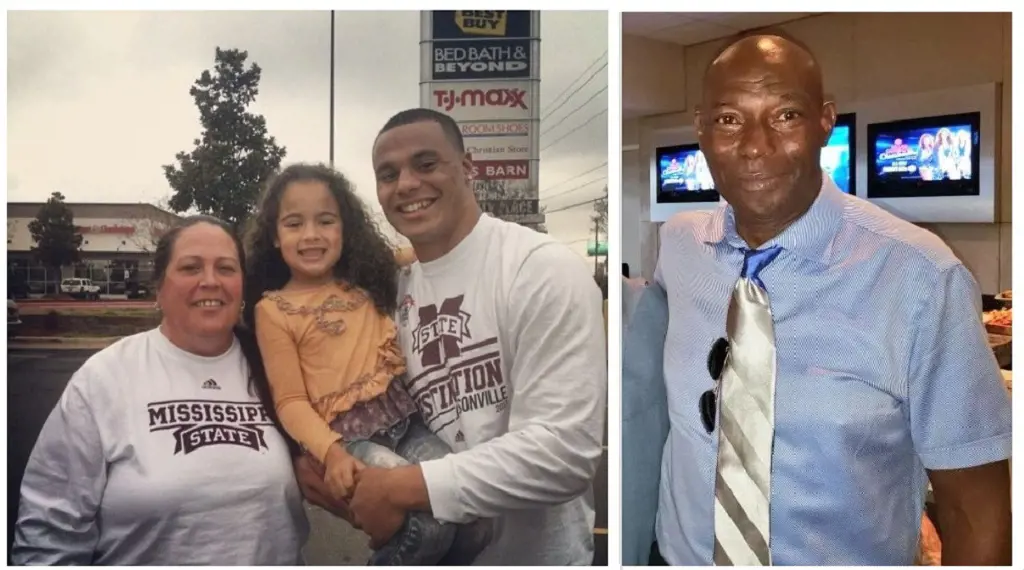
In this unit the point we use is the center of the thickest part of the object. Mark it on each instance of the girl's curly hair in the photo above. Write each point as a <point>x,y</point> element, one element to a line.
<point>367,258</point>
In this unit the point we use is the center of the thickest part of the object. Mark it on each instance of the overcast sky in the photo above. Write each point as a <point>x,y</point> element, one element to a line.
<point>98,101</point>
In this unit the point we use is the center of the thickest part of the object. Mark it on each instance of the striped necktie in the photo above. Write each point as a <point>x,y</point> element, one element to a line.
<point>747,422</point>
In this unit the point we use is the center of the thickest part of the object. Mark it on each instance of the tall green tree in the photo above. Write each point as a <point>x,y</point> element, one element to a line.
<point>57,242</point>
<point>235,155</point>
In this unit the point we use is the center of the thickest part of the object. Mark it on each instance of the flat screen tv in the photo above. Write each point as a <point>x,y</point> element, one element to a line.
<point>837,155</point>
<point>683,175</point>
<point>924,157</point>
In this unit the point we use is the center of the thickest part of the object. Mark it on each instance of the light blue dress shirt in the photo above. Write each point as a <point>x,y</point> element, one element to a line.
<point>884,370</point>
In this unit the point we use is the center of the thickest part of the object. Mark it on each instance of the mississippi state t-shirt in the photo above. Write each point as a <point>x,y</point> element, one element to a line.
<point>157,456</point>
<point>505,349</point>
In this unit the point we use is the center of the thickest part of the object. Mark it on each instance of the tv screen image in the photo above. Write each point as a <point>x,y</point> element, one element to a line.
<point>684,176</point>
<point>935,156</point>
<point>836,155</point>
<point>942,153</point>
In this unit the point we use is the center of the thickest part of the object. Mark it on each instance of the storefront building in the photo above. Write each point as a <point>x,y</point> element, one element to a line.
<point>118,241</point>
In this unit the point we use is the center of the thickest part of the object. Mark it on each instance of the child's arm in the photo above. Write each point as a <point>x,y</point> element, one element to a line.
<point>281,361</point>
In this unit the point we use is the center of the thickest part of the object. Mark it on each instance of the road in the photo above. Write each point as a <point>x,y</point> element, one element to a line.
<point>36,378</point>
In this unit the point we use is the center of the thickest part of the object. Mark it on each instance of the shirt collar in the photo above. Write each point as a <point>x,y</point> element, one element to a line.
<point>810,236</point>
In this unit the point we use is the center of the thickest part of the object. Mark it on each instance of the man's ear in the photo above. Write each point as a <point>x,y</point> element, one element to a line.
<point>828,120</point>
<point>467,166</point>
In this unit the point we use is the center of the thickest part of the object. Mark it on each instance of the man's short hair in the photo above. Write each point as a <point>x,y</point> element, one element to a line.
<point>767,31</point>
<point>412,116</point>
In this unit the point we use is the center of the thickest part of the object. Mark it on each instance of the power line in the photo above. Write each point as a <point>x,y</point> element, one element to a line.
<point>581,175</point>
<point>575,205</point>
<point>575,188</point>
<point>587,122</point>
<point>577,90</point>
<point>573,112</point>
<point>564,91</point>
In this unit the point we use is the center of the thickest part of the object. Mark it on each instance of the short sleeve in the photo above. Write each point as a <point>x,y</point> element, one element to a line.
<point>959,409</point>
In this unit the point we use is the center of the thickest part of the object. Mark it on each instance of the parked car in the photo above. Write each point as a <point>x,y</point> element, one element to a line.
<point>80,288</point>
<point>13,318</point>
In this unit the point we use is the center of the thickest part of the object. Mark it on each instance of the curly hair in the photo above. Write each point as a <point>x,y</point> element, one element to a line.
<point>367,258</point>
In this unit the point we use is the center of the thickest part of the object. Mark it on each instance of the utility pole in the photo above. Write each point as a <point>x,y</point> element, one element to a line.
<point>331,161</point>
<point>597,244</point>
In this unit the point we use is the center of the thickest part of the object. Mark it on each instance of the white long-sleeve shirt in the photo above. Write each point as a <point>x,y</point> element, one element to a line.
<point>157,456</point>
<point>505,347</point>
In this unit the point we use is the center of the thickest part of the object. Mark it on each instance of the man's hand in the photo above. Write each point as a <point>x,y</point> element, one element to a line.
<point>373,507</point>
<point>309,474</point>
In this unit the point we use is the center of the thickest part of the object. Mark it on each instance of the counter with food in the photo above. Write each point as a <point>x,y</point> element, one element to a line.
<point>999,323</point>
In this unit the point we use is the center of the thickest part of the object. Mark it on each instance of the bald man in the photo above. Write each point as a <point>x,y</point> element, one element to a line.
<point>883,380</point>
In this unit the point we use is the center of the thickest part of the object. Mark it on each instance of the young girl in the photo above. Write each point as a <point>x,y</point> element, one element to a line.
<point>321,286</point>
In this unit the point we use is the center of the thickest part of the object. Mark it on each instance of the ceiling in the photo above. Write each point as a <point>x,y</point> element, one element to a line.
<point>689,28</point>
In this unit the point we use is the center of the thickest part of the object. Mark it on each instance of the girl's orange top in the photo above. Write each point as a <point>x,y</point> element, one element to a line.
<point>325,350</point>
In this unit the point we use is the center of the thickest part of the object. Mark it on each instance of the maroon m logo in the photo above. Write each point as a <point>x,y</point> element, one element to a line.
<point>440,331</point>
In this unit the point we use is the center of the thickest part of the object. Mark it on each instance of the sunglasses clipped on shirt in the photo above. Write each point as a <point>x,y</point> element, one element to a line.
<point>709,400</point>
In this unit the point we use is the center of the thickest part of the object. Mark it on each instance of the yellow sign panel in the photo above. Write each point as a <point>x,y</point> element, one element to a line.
<point>482,22</point>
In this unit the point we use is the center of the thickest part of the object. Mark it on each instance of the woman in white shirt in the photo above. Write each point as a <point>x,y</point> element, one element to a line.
<point>160,450</point>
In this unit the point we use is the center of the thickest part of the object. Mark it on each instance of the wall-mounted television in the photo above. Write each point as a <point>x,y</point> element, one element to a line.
<point>683,175</point>
<point>925,157</point>
<point>837,157</point>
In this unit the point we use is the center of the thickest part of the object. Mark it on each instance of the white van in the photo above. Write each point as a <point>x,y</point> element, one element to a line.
<point>80,288</point>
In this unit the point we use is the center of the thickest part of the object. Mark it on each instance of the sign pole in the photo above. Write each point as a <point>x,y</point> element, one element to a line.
<point>331,152</point>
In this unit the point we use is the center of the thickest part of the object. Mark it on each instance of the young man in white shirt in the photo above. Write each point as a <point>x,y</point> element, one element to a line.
<point>502,331</point>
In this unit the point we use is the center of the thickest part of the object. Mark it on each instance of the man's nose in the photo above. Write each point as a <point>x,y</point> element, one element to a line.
<point>756,141</point>
<point>407,180</point>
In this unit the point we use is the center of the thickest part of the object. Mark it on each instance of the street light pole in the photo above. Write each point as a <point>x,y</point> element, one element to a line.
<point>332,91</point>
